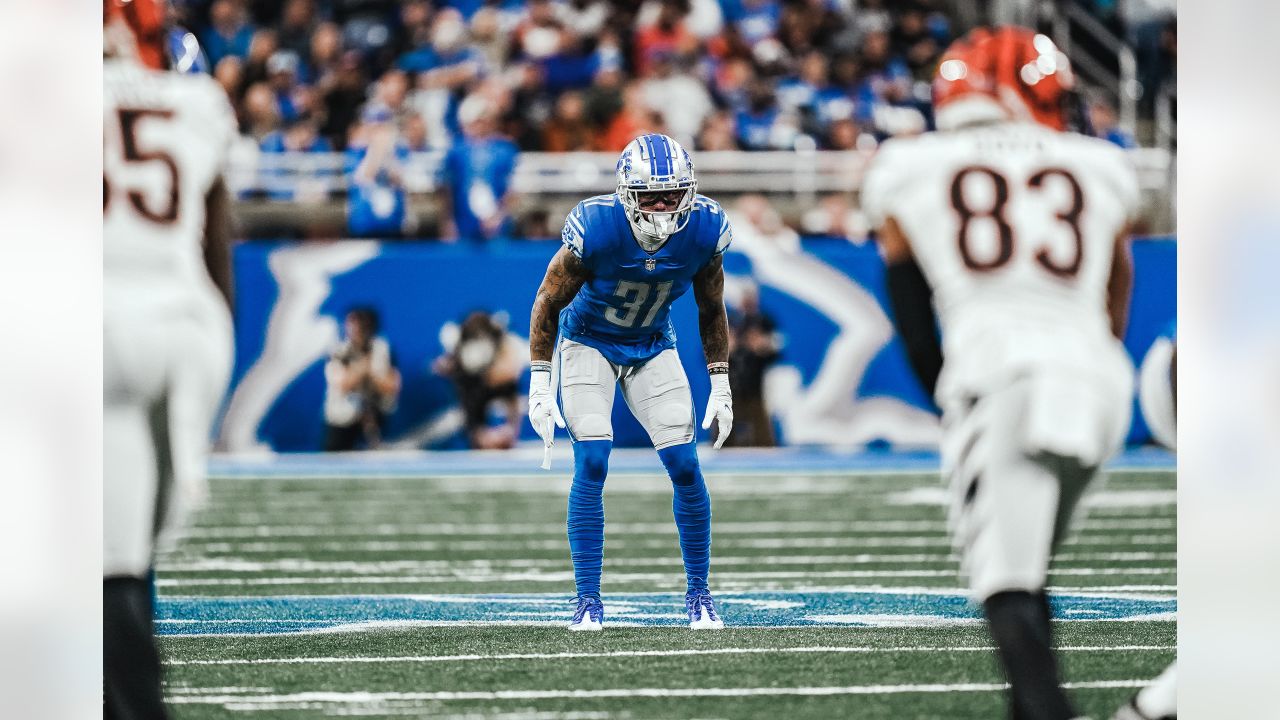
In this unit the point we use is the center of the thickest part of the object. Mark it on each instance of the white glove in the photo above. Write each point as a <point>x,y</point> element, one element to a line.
<point>543,413</point>
<point>719,408</point>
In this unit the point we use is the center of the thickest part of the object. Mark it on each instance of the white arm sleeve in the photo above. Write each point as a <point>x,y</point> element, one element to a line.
<point>882,180</point>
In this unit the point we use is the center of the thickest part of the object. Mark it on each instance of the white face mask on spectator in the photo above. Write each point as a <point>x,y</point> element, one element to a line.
<point>448,35</point>
<point>476,355</point>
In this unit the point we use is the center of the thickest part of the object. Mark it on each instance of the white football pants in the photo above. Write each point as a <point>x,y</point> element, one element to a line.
<point>657,393</point>
<point>1012,495</point>
<point>165,370</point>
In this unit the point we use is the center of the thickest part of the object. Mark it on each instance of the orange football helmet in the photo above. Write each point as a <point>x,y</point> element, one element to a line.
<point>146,22</point>
<point>1005,72</point>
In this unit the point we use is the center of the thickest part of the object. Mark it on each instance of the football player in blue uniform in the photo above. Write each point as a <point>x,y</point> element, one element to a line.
<point>607,298</point>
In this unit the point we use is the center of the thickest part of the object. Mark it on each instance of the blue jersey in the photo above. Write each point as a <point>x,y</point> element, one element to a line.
<point>478,172</point>
<point>376,208</point>
<point>624,310</point>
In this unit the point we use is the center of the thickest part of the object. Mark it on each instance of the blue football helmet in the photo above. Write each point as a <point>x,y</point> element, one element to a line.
<point>656,186</point>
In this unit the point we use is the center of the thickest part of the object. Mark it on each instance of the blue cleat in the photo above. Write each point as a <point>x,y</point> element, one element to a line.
<point>702,611</point>
<point>589,615</point>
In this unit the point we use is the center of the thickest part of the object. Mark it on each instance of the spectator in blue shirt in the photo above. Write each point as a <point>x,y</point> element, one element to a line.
<point>886,77</point>
<point>297,25</point>
<point>755,20</point>
<point>544,38</point>
<point>448,60</point>
<point>377,204</point>
<point>442,69</point>
<point>812,95</point>
<point>301,135</point>
<point>469,8</point>
<point>229,32</point>
<point>762,125</point>
<point>884,98</point>
<point>292,98</point>
<point>1106,125</point>
<point>476,177</point>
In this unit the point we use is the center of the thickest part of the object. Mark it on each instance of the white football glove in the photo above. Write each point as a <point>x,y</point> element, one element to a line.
<point>543,413</point>
<point>719,408</point>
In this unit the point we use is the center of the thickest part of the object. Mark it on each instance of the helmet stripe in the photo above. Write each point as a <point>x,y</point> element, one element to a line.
<point>648,147</point>
<point>663,157</point>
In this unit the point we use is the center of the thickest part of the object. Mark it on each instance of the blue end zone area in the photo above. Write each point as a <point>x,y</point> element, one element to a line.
<point>525,460</point>
<point>866,608</point>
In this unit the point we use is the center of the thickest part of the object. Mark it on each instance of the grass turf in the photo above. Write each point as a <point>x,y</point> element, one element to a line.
<point>476,535</point>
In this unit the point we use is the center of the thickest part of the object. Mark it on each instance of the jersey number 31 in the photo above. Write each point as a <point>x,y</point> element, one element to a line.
<point>634,295</point>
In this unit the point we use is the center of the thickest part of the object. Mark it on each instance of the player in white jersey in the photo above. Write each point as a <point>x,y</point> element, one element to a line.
<point>1015,232</point>
<point>166,324</point>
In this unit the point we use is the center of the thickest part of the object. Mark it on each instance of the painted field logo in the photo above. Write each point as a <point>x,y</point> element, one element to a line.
<point>337,613</point>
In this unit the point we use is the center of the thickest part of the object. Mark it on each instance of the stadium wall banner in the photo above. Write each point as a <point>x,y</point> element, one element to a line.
<point>842,379</point>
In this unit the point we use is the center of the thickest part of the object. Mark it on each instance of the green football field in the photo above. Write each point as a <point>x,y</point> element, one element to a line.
<point>447,596</point>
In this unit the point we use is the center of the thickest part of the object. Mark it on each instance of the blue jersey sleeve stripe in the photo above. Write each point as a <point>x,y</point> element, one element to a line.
<point>726,235</point>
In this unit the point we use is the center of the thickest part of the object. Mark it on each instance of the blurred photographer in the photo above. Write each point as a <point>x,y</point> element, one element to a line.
<point>754,346</point>
<point>362,385</point>
<point>485,361</point>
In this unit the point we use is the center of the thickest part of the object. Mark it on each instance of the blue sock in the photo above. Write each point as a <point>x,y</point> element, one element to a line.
<point>586,513</point>
<point>692,508</point>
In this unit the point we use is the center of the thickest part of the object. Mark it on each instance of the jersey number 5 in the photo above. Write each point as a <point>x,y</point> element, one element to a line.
<point>168,212</point>
<point>634,294</point>
<point>1004,232</point>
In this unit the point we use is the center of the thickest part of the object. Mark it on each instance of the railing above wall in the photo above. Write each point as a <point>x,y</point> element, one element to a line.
<point>317,176</point>
<point>1122,83</point>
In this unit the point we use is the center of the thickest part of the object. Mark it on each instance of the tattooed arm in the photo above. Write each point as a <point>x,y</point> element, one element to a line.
<point>708,291</point>
<point>565,275</point>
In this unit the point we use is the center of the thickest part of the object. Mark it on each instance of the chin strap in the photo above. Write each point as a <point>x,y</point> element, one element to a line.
<point>649,242</point>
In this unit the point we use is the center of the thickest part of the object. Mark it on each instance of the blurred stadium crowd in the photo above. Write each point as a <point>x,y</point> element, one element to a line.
<point>572,75</point>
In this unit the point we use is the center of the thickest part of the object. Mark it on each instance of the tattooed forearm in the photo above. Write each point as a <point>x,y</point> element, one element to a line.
<point>708,290</point>
<point>564,277</point>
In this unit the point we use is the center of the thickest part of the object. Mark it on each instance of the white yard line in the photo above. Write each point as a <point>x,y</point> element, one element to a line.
<point>940,497</point>
<point>521,480</point>
<point>940,540</point>
<point>254,527</point>
<point>567,576</point>
<point>269,701</point>
<point>234,564</point>
<point>645,653</point>
<point>1109,590</point>
<point>413,476</point>
<point>559,544</point>
<point>559,598</point>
